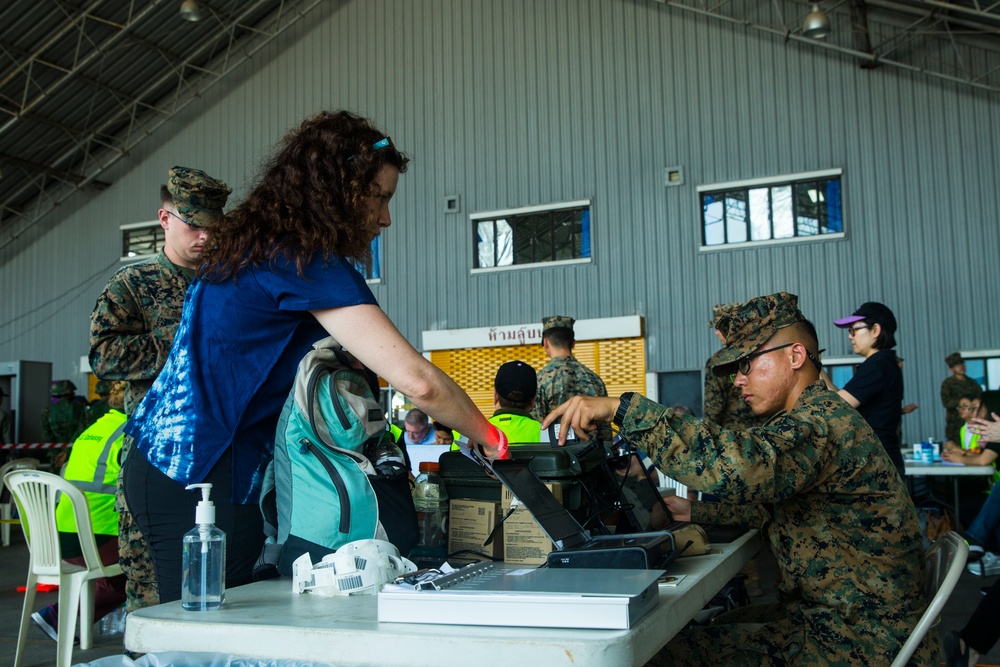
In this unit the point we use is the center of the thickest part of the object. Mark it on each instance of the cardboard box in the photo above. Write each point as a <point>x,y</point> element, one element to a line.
<point>525,543</point>
<point>470,523</point>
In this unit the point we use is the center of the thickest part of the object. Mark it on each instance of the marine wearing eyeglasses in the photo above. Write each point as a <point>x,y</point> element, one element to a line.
<point>817,482</point>
<point>133,324</point>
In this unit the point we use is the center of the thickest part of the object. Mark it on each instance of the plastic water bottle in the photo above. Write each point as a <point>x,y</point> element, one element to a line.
<point>203,580</point>
<point>112,623</point>
<point>431,501</point>
<point>388,458</point>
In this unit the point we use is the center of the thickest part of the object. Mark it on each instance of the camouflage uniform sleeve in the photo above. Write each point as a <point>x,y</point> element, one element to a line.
<point>715,398</point>
<point>949,397</point>
<point>121,347</point>
<point>726,514</point>
<point>602,390</point>
<point>47,434</point>
<point>6,427</point>
<point>763,464</point>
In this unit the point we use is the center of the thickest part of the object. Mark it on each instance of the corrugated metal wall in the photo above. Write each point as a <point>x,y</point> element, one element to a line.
<point>520,102</point>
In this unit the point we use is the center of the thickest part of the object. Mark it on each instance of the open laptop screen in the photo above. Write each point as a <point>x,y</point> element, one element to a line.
<point>639,497</point>
<point>554,519</point>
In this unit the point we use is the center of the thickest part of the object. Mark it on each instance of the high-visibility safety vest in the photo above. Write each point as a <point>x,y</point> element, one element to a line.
<point>517,425</point>
<point>93,468</point>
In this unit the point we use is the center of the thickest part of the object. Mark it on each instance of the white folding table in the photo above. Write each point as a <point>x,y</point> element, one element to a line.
<point>267,620</point>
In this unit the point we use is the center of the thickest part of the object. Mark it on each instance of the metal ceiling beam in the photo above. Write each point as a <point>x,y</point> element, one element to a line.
<point>794,34</point>
<point>76,180</point>
<point>287,14</point>
<point>99,51</point>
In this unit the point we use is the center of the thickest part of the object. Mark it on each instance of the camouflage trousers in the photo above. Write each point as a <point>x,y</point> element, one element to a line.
<point>141,589</point>
<point>765,635</point>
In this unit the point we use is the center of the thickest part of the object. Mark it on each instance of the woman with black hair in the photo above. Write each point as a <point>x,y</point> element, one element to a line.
<point>876,389</point>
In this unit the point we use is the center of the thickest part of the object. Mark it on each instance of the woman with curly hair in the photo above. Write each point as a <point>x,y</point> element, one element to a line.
<point>279,274</point>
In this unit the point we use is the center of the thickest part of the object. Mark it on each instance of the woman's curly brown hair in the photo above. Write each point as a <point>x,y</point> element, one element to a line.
<point>312,197</point>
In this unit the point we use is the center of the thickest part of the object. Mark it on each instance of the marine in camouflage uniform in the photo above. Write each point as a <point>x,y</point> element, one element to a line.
<point>563,377</point>
<point>816,480</point>
<point>6,422</point>
<point>723,403</point>
<point>64,420</point>
<point>952,391</point>
<point>132,330</point>
<point>99,406</point>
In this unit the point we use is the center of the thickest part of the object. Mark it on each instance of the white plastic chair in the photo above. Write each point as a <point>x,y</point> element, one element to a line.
<point>942,568</point>
<point>6,506</point>
<point>36,494</point>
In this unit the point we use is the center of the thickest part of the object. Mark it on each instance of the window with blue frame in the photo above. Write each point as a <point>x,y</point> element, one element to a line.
<point>523,237</point>
<point>789,208</point>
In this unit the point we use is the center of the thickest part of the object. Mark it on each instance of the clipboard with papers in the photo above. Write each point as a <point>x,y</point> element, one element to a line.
<point>500,594</point>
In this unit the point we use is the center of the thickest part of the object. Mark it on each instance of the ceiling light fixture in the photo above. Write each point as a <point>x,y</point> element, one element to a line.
<point>190,10</point>
<point>817,24</point>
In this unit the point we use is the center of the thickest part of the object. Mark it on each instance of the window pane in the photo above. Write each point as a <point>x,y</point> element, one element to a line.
<point>557,234</point>
<point>566,234</point>
<point>976,369</point>
<point>505,243</point>
<point>736,217</point>
<point>523,231</point>
<point>142,241</point>
<point>841,375</point>
<point>486,244</point>
<point>711,212</point>
<point>376,270</point>
<point>760,214</point>
<point>993,374</point>
<point>808,203</point>
<point>834,217</point>
<point>781,200</point>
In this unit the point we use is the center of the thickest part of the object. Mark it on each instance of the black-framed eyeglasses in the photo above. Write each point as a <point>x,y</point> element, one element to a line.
<point>193,226</point>
<point>743,365</point>
<point>851,331</point>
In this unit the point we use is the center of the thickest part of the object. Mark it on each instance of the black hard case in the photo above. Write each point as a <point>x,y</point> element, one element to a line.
<point>572,464</point>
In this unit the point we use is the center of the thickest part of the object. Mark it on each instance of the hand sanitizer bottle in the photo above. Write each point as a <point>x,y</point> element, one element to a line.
<point>203,581</point>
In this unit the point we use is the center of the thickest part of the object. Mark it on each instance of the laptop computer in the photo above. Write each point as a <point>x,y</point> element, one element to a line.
<point>575,546</point>
<point>643,506</point>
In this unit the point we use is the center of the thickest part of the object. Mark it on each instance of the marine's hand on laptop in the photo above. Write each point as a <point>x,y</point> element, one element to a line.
<point>583,414</point>
<point>679,507</point>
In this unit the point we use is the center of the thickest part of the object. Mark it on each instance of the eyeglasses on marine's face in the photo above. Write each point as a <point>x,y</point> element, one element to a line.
<point>852,331</point>
<point>743,365</point>
<point>194,227</point>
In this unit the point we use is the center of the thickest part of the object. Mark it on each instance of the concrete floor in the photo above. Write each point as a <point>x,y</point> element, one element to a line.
<point>41,651</point>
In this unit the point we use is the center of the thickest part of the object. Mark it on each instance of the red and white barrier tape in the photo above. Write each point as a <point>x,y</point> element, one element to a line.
<point>36,445</point>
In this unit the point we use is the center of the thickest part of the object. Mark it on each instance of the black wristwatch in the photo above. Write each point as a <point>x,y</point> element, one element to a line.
<point>623,403</point>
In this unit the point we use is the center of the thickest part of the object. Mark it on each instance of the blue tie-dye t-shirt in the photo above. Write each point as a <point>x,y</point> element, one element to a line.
<point>232,365</point>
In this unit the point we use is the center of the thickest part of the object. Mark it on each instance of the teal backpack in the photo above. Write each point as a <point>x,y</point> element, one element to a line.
<point>322,491</point>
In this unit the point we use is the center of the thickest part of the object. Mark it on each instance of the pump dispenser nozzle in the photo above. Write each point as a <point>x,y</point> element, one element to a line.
<point>204,514</point>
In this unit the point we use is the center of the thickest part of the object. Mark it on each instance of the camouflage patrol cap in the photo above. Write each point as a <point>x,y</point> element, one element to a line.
<point>102,388</point>
<point>557,322</point>
<point>62,387</point>
<point>720,312</point>
<point>954,359</point>
<point>751,324</point>
<point>199,198</point>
